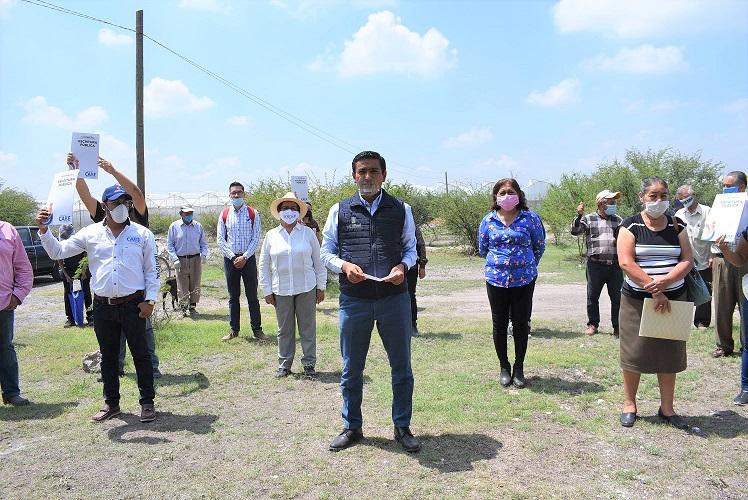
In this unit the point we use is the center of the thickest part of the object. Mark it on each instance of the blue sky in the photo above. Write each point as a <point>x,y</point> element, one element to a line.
<point>478,89</point>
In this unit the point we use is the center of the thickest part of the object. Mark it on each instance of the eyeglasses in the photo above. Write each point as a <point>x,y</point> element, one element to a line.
<point>111,205</point>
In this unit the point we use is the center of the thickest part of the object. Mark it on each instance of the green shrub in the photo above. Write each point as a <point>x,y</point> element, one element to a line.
<point>18,208</point>
<point>159,223</point>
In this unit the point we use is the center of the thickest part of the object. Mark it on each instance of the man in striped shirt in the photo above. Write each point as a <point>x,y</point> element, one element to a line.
<point>600,229</point>
<point>238,235</point>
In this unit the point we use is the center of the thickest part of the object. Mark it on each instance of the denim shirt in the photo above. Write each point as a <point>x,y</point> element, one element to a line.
<point>512,253</point>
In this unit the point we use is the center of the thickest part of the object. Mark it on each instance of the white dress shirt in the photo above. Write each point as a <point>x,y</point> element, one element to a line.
<point>120,266</point>
<point>329,251</point>
<point>290,263</point>
<point>695,226</point>
<point>186,239</point>
<point>239,235</point>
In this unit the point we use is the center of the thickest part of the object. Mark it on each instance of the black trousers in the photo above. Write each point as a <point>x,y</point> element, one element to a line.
<point>86,287</point>
<point>517,302</point>
<point>703,314</point>
<point>234,278</point>
<point>598,276</point>
<point>109,323</point>
<point>412,276</point>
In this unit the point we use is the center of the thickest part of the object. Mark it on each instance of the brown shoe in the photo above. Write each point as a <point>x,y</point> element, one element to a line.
<point>259,334</point>
<point>147,413</point>
<point>590,330</point>
<point>721,353</point>
<point>106,413</point>
<point>231,335</point>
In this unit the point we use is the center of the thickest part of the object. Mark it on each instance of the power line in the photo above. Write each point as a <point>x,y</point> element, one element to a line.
<point>281,113</point>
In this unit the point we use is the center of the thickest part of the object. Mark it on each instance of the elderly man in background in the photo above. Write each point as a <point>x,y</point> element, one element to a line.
<point>727,280</point>
<point>600,229</point>
<point>16,280</point>
<point>188,250</point>
<point>694,215</point>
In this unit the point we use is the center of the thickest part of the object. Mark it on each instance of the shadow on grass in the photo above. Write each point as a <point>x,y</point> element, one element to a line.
<point>438,336</point>
<point>547,333</point>
<point>325,377</point>
<point>34,411</point>
<point>269,339</point>
<point>555,385</point>
<point>187,380</point>
<point>166,422</point>
<point>725,424</point>
<point>446,452</point>
<point>209,317</point>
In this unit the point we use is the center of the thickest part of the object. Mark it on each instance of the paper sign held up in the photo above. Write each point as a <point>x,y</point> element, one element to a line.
<point>61,196</point>
<point>85,148</point>
<point>728,217</point>
<point>300,187</point>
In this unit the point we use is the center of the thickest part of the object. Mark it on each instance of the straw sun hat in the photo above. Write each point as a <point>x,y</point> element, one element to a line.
<point>290,196</point>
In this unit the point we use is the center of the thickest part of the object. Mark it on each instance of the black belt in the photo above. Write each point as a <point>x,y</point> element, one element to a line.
<point>115,301</point>
<point>721,255</point>
<point>601,261</point>
<point>189,256</point>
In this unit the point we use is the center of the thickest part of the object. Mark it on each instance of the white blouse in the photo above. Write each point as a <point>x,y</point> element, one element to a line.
<point>290,263</point>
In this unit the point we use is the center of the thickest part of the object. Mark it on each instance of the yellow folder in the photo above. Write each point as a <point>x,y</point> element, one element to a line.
<point>675,325</point>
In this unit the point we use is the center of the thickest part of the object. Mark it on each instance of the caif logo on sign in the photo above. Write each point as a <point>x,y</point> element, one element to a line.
<point>133,239</point>
<point>89,174</point>
<point>67,219</point>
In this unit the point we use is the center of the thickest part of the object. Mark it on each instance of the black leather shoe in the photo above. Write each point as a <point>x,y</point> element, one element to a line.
<point>406,439</point>
<point>741,399</point>
<point>16,400</point>
<point>674,420</point>
<point>627,419</point>
<point>346,439</point>
<point>518,378</point>
<point>505,377</point>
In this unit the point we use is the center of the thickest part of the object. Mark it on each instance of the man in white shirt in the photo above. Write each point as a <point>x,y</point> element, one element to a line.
<point>694,214</point>
<point>125,283</point>
<point>188,250</point>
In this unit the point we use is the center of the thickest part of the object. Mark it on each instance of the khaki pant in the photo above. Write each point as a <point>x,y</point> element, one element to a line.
<point>188,280</point>
<point>727,293</point>
<point>301,309</point>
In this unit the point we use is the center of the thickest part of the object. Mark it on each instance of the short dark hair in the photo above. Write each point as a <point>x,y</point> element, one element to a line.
<point>373,155</point>
<point>740,176</point>
<point>648,182</point>
<point>515,185</point>
<point>236,183</point>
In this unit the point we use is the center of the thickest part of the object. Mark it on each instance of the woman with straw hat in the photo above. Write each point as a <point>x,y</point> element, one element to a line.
<point>293,280</point>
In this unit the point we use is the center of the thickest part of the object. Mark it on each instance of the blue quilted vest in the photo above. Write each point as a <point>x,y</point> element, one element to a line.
<point>374,243</point>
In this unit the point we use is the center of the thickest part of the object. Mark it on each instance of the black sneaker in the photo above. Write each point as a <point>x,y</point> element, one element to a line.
<point>68,324</point>
<point>741,399</point>
<point>309,371</point>
<point>282,372</point>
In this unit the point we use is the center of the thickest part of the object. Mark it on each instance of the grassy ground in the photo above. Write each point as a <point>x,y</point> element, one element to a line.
<point>227,428</point>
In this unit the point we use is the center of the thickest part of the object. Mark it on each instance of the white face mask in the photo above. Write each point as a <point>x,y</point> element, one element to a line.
<point>119,214</point>
<point>656,208</point>
<point>289,216</point>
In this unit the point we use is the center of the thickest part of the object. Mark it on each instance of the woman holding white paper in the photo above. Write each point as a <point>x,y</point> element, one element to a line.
<point>655,255</point>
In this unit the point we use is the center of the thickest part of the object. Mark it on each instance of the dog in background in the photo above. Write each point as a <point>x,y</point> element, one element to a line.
<point>172,282</point>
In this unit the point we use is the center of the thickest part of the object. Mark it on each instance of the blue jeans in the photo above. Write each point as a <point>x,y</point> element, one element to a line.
<point>744,357</point>
<point>234,277</point>
<point>357,318</point>
<point>150,343</point>
<point>8,360</point>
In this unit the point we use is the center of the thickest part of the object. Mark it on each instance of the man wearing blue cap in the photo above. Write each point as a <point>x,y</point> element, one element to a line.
<point>125,283</point>
<point>138,212</point>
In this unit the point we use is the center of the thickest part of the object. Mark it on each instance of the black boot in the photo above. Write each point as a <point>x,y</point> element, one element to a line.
<point>518,378</point>
<point>505,376</point>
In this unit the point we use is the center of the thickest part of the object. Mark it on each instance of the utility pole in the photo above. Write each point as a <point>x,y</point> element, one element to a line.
<point>139,128</point>
<point>446,183</point>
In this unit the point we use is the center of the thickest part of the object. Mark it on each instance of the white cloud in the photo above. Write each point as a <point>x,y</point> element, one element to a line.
<point>665,105</point>
<point>503,162</point>
<point>473,137</point>
<point>6,6</point>
<point>219,6</point>
<point>647,18</point>
<point>7,160</point>
<point>385,45</point>
<point>561,94</point>
<point>168,97</point>
<point>39,112</point>
<point>737,106</point>
<point>238,121</point>
<point>109,37</point>
<point>645,59</point>
<point>312,9</point>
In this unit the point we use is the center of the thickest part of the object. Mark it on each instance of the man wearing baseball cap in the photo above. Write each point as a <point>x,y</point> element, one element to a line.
<point>600,229</point>
<point>125,283</point>
<point>188,251</point>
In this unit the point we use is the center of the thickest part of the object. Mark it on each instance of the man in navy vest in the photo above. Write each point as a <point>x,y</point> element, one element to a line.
<point>369,240</point>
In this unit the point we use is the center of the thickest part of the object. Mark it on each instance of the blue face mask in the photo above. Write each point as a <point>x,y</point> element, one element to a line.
<point>611,209</point>
<point>730,189</point>
<point>187,218</point>
<point>237,202</point>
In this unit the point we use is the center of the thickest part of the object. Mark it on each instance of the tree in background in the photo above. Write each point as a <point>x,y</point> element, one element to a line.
<point>462,210</point>
<point>559,206</point>
<point>17,207</point>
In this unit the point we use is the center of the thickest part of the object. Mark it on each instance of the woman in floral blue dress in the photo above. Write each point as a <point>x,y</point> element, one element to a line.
<point>512,239</point>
